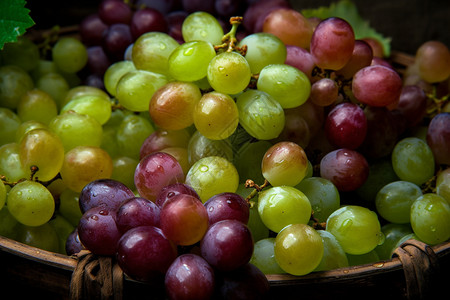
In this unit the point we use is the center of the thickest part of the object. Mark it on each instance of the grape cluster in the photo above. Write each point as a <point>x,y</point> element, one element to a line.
<point>173,136</point>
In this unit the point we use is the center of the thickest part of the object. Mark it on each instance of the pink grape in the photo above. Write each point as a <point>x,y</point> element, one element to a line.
<point>136,212</point>
<point>226,206</point>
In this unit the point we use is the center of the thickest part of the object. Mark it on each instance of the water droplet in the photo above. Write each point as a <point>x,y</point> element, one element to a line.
<point>432,228</point>
<point>378,265</point>
<point>103,212</point>
<point>203,33</point>
<point>162,46</point>
<point>204,168</point>
<point>221,69</point>
<point>346,225</point>
<point>189,51</point>
<point>381,238</point>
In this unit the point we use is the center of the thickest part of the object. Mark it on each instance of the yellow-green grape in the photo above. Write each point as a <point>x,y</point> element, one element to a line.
<point>69,54</point>
<point>37,105</point>
<point>69,206</point>
<point>151,52</point>
<point>84,164</point>
<point>28,126</point>
<point>95,106</point>
<point>286,84</point>
<point>114,73</point>
<point>212,175</point>
<point>202,26</point>
<point>264,256</point>
<point>9,123</point>
<point>43,149</point>
<point>123,170</point>
<point>42,237</point>
<point>334,256</point>
<point>229,73</point>
<point>248,160</point>
<point>135,89</point>
<point>131,134</point>
<point>216,116</point>
<point>200,146</point>
<point>2,194</point>
<point>443,184</point>
<point>43,67</point>
<point>280,206</point>
<point>109,141</point>
<point>31,203</point>
<point>189,61</point>
<point>63,229</point>
<point>55,85</point>
<point>10,165</point>
<point>84,90</point>
<point>298,249</point>
<point>14,84</point>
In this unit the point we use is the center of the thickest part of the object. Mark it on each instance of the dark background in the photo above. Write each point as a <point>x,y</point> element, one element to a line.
<point>408,22</point>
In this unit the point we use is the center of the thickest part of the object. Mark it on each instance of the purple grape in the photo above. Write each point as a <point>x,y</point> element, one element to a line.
<point>227,245</point>
<point>175,21</point>
<point>164,6</point>
<point>73,244</point>
<point>91,30</point>
<point>257,11</point>
<point>114,12</point>
<point>199,5</point>
<point>95,80</point>
<point>98,61</point>
<point>145,254</point>
<point>137,212</point>
<point>190,277</point>
<point>146,20</point>
<point>438,138</point>
<point>172,190</point>
<point>412,104</point>
<point>98,231</point>
<point>225,206</point>
<point>229,8</point>
<point>116,39</point>
<point>107,193</point>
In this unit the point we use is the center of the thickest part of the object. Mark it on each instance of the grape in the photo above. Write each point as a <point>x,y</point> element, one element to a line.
<point>181,155</point>
<point>322,194</point>
<point>332,43</point>
<point>189,277</point>
<point>334,257</point>
<point>430,218</point>
<point>145,20</point>
<point>202,26</point>
<point>412,104</point>
<point>228,73</point>
<point>362,259</point>
<point>114,72</point>
<point>377,85</point>
<point>286,84</point>
<point>155,171</point>
<point>145,254</point>
<point>10,165</point>
<point>2,194</point>
<point>285,163</point>
<point>247,160</point>
<point>212,175</point>
<point>356,228</point>
<point>37,105</point>
<point>393,234</point>
<point>41,237</point>
<point>294,239</point>
<point>225,206</point>
<point>91,29</point>
<point>63,229</point>
<point>22,53</point>
<point>264,257</point>
<point>114,11</point>
<point>263,49</point>
<point>9,226</point>
<point>94,105</point>
<point>135,212</point>
<point>184,219</point>
<point>55,85</point>
<point>123,170</point>
<point>31,203</point>
<point>108,193</point>
<point>172,106</point>
<point>200,146</point>
<point>10,123</point>
<point>171,190</point>
<point>283,205</point>
<point>433,60</point>
<point>42,148</point>
<point>377,47</point>
<point>412,160</point>
<point>290,26</point>
<point>73,244</point>
<point>189,61</point>
<point>116,39</point>
<point>438,137</point>
<point>393,201</point>
<point>69,206</point>
<point>346,126</point>
<point>300,58</point>
<point>69,54</point>
<point>160,139</point>
<point>324,92</point>
<point>442,184</point>
<point>175,21</point>
<point>257,11</point>
<point>131,133</point>
<point>135,89</point>
<point>15,83</point>
<point>227,245</point>
<point>346,169</point>
<point>361,57</point>
<point>216,116</point>
<point>260,114</point>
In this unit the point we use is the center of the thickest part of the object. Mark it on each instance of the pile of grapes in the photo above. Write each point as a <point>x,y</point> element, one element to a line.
<point>203,150</point>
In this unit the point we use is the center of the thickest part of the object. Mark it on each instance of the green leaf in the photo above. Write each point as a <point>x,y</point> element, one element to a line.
<point>14,20</point>
<point>348,11</point>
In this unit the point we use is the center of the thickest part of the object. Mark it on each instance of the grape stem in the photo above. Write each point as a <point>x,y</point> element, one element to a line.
<point>436,104</point>
<point>257,188</point>
<point>229,40</point>
<point>316,224</point>
<point>33,170</point>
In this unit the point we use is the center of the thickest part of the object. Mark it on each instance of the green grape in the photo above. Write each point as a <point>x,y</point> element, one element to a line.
<point>63,229</point>
<point>69,206</point>
<point>75,129</point>
<point>280,206</point>
<point>43,149</point>
<point>42,237</point>
<point>356,228</point>
<point>263,49</point>
<point>23,53</point>
<point>69,54</point>
<point>189,61</point>
<point>286,84</point>
<point>135,89</point>
<point>14,83</point>
<point>26,126</point>
<point>84,90</point>
<point>263,257</point>
<point>200,146</point>
<point>212,175</point>
<point>9,124</point>
<point>123,170</point>
<point>393,201</point>
<point>95,106</point>
<point>443,184</point>
<point>84,164</point>
<point>229,73</point>
<point>43,67</point>
<point>113,74</point>
<point>334,256</point>
<point>322,194</point>
<point>216,116</point>
<point>109,141</point>
<point>37,105</point>
<point>430,218</point>
<point>248,160</point>
<point>362,259</point>
<point>10,165</point>
<point>393,233</point>
<point>412,160</point>
<point>55,85</point>
<point>9,226</point>
<point>31,203</point>
<point>131,134</point>
<point>202,26</point>
<point>409,236</point>
<point>2,194</point>
<point>298,249</point>
<point>151,52</point>
<point>260,115</point>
